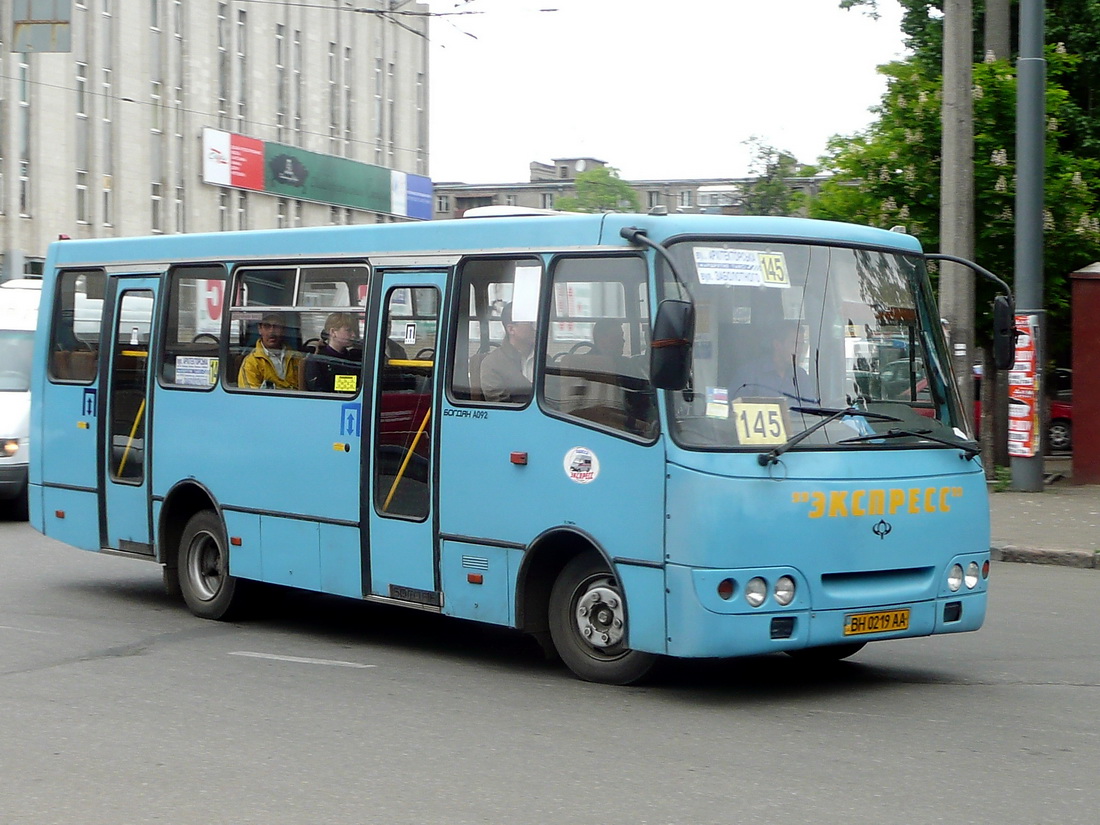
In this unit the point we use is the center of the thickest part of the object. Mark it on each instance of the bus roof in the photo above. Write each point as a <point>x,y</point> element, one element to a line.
<point>460,236</point>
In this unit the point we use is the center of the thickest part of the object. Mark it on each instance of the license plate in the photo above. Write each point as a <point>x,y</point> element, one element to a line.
<point>881,621</point>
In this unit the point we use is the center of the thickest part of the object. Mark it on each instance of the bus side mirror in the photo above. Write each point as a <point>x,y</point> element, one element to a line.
<point>670,351</point>
<point>1004,333</point>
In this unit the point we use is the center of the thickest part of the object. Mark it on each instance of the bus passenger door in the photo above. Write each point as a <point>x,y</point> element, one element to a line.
<point>126,506</point>
<point>402,553</point>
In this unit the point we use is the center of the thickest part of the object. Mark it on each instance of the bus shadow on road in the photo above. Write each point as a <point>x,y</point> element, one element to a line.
<point>368,627</point>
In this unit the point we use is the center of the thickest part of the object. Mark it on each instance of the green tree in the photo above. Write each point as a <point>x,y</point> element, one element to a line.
<point>770,194</point>
<point>600,190</point>
<point>889,174</point>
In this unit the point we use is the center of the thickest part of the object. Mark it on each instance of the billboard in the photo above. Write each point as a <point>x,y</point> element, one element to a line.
<point>286,171</point>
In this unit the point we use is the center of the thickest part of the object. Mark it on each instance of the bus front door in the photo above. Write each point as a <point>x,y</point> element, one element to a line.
<point>126,507</point>
<point>401,557</point>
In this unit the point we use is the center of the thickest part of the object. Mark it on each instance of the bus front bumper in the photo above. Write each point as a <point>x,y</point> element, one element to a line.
<point>694,630</point>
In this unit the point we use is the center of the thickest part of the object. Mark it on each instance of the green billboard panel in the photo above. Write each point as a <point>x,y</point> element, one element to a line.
<point>296,173</point>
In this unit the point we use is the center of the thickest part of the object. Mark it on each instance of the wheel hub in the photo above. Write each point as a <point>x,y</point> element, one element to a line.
<point>600,618</point>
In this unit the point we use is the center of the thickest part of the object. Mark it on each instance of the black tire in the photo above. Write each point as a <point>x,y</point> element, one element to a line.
<point>171,578</point>
<point>207,587</point>
<point>588,625</point>
<point>829,653</point>
<point>1060,436</point>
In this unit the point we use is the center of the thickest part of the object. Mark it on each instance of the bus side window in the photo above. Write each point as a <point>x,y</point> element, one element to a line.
<point>192,339</point>
<point>489,288</point>
<point>77,323</point>
<point>597,367</point>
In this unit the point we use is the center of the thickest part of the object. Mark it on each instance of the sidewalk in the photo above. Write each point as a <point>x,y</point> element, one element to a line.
<point>1060,525</point>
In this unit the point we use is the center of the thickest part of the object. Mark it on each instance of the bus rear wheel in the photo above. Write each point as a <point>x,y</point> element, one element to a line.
<point>588,625</point>
<point>208,589</point>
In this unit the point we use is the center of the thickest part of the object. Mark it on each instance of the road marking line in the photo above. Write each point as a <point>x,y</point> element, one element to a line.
<point>26,630</point>
<point>298,659</point>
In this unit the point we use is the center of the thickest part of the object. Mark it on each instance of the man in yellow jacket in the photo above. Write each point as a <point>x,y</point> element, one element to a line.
<point>272,365</point>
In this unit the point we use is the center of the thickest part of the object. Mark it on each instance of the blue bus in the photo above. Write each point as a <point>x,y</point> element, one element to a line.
<point>633,436</point>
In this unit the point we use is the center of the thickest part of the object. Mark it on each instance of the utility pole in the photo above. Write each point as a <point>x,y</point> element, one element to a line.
<point>957,191</point>
<point>1027,470</point>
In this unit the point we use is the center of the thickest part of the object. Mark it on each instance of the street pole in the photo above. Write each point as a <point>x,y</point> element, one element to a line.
<point>1027,471</point>
<point>957,191</point>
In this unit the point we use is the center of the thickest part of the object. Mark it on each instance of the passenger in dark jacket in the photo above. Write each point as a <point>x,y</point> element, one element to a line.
<point>336,366</point>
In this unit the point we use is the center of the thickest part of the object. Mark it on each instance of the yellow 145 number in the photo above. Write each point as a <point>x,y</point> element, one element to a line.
<point>759,422</point>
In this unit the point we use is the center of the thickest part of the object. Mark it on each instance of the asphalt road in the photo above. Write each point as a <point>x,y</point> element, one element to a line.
<point>117,706</point>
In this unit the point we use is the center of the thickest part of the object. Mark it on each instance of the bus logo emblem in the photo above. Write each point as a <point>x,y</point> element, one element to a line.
<point>581,465</point>
<point>882,528</point>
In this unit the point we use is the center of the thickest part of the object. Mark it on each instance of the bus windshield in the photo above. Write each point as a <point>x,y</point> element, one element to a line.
<point>788,334</point>
<point>16,347</point>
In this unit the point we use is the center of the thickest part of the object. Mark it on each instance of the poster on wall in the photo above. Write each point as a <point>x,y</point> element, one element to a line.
<point>1023,391</point>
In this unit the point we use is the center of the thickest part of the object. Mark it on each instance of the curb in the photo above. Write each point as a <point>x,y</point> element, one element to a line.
<point>1084,559</point>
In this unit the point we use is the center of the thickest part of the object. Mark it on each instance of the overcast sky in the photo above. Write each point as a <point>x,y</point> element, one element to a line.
<point>657,88</point>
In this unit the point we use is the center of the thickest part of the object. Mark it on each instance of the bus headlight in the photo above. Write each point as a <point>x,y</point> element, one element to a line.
<point>784,590</point>
<point>954,577</point>
<point>756,591</point>
<point>9,447</point>
<point>972,574</point>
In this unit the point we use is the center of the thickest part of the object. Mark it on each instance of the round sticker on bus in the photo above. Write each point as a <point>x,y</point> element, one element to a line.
<point>581,465</point>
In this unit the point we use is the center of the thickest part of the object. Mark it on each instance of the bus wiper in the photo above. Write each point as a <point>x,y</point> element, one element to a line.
<point>968,448</point>
<point>772,456</point>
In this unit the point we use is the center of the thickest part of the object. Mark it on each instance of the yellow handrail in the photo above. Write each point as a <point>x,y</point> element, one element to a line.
<point>129,443</point>
<point>405,463</point>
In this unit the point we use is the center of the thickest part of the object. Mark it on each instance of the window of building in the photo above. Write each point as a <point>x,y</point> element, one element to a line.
<point>83,207</point>
<point>379,111</point>
<point>596,367</point>
<point>24,137</point>
<point>685,198</point>
<point>494,346</point>
<point>333,98</point>
<point>242,210</point>
<point>296,73</point>
<point>281,80</point>
<point>181,212</point>
<point>653,198</point>
<point>281,213</point>
<point>223,64</point>
<point>442,203</point>
<point>243,90</point>
<point>349,105</point>
<point>156,213</point>
<point>547,200</point>
<point>223,210</point>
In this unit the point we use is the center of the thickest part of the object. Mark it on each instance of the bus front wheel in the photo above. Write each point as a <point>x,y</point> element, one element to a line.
<point>208,589</point>
<point>588,625</point>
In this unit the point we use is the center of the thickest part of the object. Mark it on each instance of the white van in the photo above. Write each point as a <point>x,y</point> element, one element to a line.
<point>18,318</point>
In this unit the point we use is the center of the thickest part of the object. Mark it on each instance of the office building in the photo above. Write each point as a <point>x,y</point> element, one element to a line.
<point>131,117</point>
